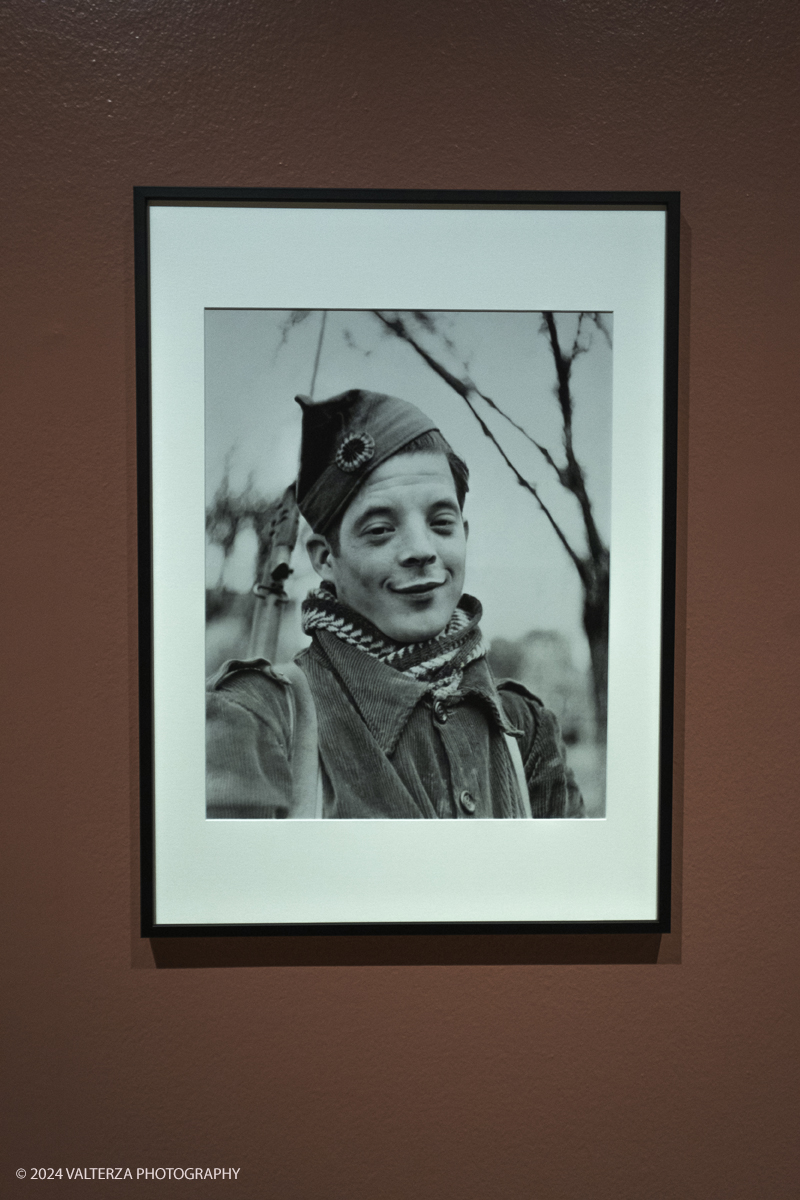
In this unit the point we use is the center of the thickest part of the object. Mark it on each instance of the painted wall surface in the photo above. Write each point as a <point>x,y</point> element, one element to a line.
<point>463,1067</point>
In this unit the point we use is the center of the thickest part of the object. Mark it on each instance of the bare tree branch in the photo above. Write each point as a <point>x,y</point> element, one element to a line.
<point>572,477</point>
<point>545,453</point>
<point>600,321</point>
<point>296,317</point>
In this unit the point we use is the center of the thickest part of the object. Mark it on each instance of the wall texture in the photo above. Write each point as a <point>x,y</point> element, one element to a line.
<point>466,1067</point>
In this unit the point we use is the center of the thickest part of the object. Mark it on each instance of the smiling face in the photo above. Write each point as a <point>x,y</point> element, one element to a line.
<point>401,549</point>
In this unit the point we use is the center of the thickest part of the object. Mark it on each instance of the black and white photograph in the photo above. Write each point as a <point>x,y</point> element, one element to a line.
<point>408,551</point>
<point>406,468</point>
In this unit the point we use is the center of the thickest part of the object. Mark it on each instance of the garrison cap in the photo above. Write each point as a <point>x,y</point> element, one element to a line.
<point>343,440</point>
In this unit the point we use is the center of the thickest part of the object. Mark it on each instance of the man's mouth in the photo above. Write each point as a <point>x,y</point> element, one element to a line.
<point>417,589</point>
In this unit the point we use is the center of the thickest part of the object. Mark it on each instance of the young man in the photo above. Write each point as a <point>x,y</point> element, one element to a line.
<point>393,710</point>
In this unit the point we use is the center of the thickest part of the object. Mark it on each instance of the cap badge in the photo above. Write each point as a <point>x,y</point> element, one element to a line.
<point>354,450</point>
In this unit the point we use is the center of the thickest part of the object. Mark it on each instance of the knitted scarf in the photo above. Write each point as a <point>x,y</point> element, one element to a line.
<point>438,662</point>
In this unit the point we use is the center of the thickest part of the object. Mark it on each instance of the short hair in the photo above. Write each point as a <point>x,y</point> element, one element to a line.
<point>427,443</point>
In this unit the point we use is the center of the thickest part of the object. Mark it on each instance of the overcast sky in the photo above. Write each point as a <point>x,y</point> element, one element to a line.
<point>516,565</point>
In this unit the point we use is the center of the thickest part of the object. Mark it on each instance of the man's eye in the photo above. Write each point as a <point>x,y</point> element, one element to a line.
<point>377,530</point>
<point>444,524</point>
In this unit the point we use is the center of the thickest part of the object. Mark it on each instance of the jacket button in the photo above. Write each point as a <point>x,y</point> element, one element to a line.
<point>466,802</point>
<point>440,711</point>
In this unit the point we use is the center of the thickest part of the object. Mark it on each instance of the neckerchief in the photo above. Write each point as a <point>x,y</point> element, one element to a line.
<point>438,662</point>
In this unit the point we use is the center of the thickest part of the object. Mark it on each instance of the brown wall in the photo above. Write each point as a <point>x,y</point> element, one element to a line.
<point>468,1067</point>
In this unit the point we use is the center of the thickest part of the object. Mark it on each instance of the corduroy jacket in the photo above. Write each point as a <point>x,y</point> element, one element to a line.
<point>385,749</point>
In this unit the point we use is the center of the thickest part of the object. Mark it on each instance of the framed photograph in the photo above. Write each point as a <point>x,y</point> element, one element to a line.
<point>407,473</point>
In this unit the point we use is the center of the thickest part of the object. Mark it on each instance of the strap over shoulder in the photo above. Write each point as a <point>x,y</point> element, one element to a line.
<point>519,773</point>
<point>306,776</point>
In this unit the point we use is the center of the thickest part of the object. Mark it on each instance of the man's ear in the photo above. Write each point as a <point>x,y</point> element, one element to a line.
<point>466,529</point>
<point>320,553</point>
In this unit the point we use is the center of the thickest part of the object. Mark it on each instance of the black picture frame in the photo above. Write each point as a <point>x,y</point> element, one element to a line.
<point>145,198</point>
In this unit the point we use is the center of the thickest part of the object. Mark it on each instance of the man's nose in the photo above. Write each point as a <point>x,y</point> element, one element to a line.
<point>417,547</point>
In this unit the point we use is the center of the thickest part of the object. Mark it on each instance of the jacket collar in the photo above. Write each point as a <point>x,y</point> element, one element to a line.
<point>386,697</point>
